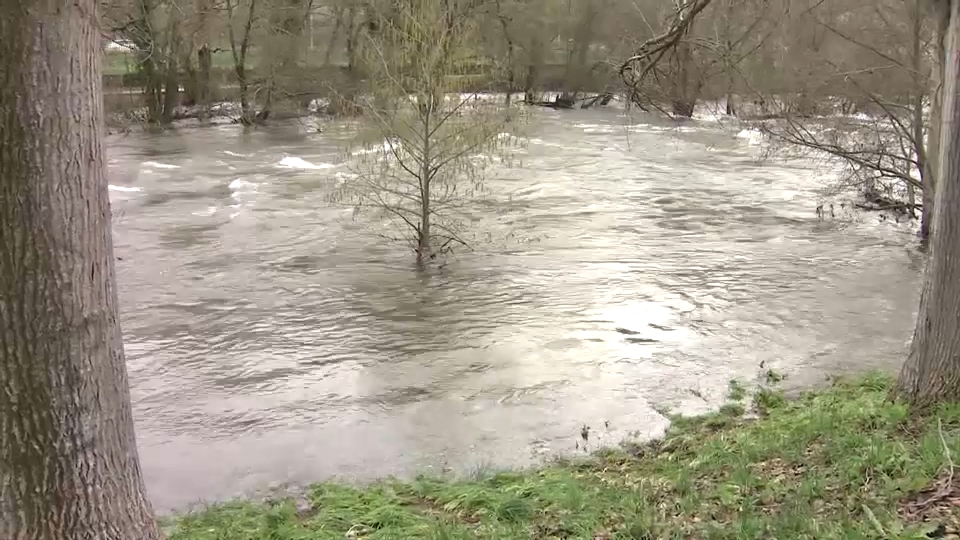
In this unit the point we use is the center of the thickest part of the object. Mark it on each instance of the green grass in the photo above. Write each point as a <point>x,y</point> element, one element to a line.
<point>839,463</point>
<point>124,62</point>
<point>119,63</point>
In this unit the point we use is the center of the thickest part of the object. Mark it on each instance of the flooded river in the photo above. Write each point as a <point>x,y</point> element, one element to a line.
<point>627,265</point>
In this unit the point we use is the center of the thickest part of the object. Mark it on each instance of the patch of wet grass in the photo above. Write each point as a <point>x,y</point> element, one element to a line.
<point>839,463</point>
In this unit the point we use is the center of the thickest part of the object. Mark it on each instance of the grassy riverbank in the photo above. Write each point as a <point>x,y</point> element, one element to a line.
<point>836,463</point>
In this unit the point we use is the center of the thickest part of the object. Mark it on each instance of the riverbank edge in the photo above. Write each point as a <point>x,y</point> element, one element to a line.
<point>838,462</point>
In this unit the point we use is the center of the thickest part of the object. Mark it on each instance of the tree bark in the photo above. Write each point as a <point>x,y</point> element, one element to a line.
<point>686,84</point>
<point>936,110</point>
<point>931,373</point>
<point>171,91</point>
<point>511,71</point>
<point>921,88</point>
<point>205,68</point>
<point>288,20</point>
<point>423,237</point>
<point>534,62</point>
<point>239,51</point>
<point>148,60</point>
<point>204,59</point>
<point>68,458</point>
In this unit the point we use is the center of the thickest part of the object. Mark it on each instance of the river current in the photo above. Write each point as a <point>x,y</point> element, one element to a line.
<point>624,265</point>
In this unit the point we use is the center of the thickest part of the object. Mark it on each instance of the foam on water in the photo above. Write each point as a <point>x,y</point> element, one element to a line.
<point>752,136</point>
<point>127,189</point>
<point>157,165</point>
<point>293,162</point>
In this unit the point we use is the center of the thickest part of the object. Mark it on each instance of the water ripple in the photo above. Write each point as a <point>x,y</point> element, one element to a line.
<point>271,336</point>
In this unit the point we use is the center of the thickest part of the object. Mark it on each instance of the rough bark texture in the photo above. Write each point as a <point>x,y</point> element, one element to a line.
<point>68,459</point>
<point>932,371</point>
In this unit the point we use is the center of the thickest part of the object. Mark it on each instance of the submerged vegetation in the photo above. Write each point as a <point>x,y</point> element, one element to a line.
<point>842,462</point>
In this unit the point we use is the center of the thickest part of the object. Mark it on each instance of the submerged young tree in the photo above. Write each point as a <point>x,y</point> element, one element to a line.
<point>436,140</point>
<point>68,458</point>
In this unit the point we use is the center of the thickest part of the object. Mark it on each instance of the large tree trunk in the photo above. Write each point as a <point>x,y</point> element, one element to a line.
<point>68,458</point>
<point>932,371</point>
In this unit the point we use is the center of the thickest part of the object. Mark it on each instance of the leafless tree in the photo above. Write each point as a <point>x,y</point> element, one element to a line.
<point>889,153</point>
<point>436,141</point>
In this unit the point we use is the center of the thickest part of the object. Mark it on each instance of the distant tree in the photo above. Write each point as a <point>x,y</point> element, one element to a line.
<point>888,70</point>
<point>663,67</point>
<point>931,373</point>
<point>241,17</point>
<point>154,27</point>
<point>68,456</point>
<point>283,46</point>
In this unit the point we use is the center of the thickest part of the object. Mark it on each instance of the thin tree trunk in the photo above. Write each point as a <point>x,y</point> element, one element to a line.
<point>153,87</point>
<point>171,91</point>
<point>510,56</point>
<point>191,80</point>
<point>932,371</point>
<point>685,87</point>
<point>920,90</point>
<point>731,107</point>
<point>204,59</point>
<point>68,458</point>
<point>239,51</point>
<point>205,67</point>
<point>334,35</point>
<point>936,110</point>
<point>423,239</point>
<point>578,69</point>
<point>535,60</point>
<point>148,60</point>
<point>345,102</point>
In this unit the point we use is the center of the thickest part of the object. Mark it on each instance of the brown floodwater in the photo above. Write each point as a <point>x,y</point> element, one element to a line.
<point>626,265</point>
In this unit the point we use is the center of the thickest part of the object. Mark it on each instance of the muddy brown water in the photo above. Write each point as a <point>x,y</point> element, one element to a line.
<point>625,266</point>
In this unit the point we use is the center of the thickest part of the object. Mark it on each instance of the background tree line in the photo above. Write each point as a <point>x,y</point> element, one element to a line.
<point>812,54</point>
<point>785,64</point>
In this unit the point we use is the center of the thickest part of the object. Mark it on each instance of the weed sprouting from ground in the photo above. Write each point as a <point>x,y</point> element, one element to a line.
<point>736,390</point>
<point>841,463</point>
